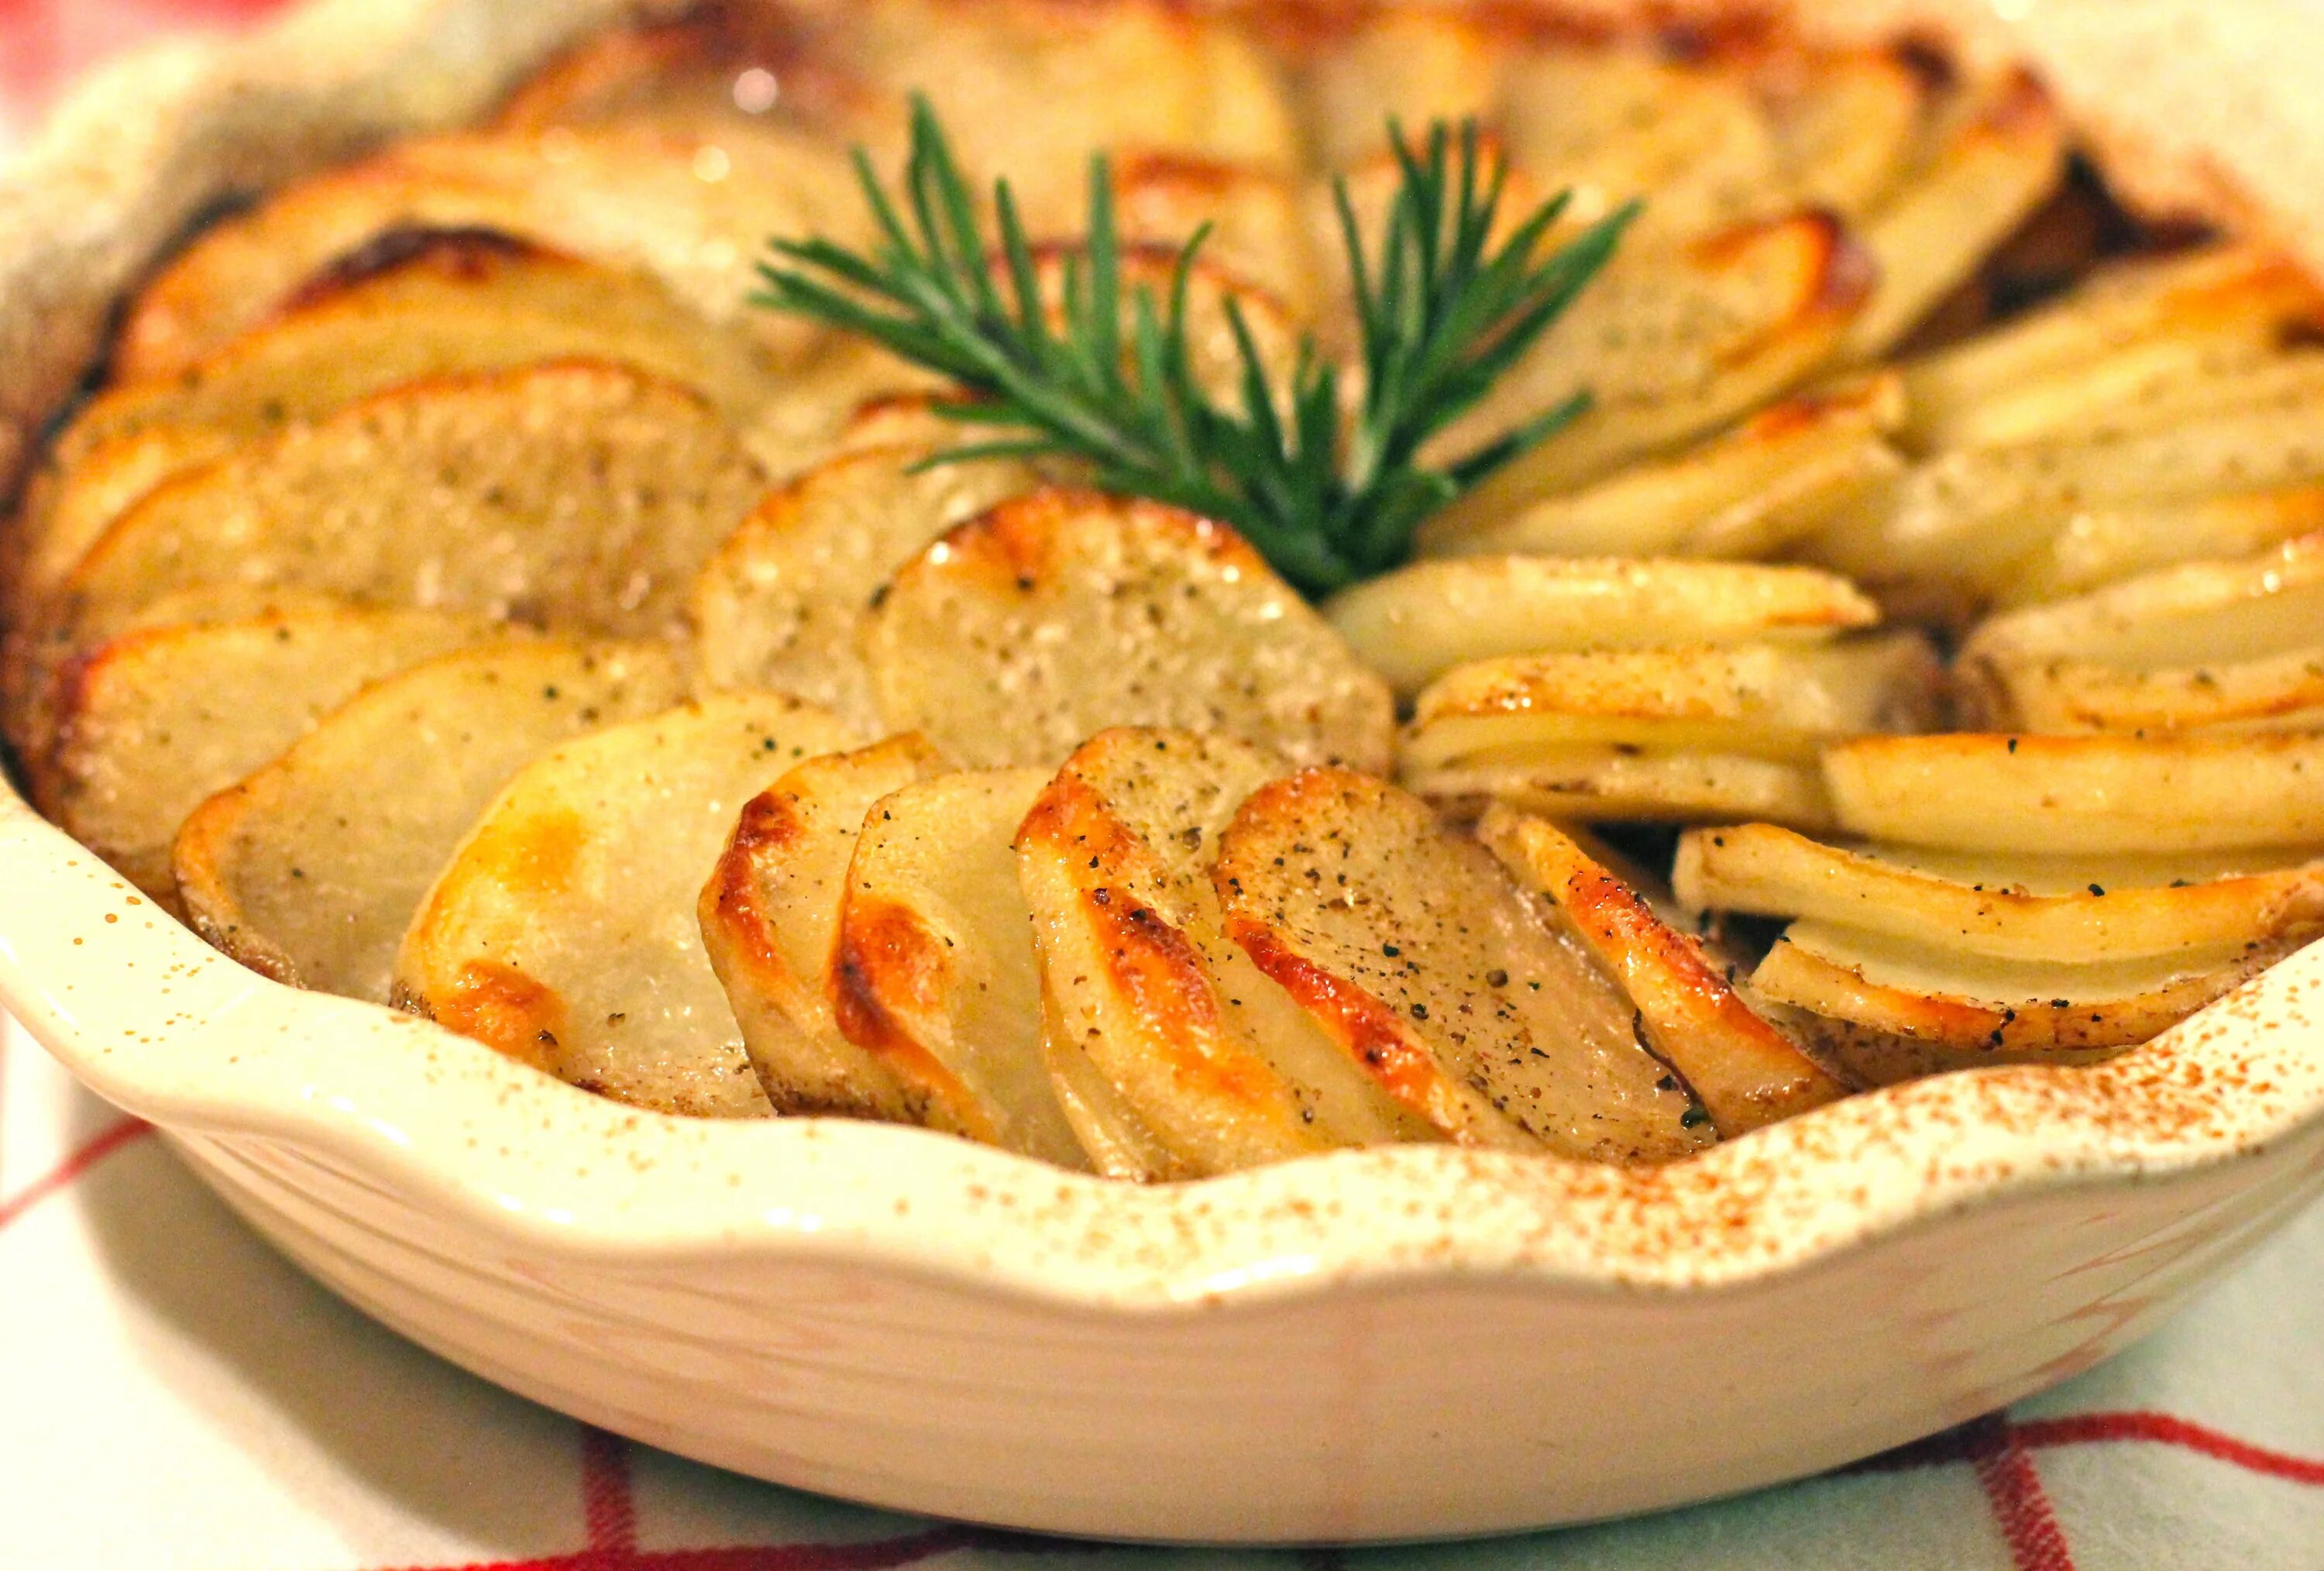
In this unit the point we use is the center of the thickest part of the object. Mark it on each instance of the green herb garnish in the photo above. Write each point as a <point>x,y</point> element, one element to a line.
<point>1327,497</point>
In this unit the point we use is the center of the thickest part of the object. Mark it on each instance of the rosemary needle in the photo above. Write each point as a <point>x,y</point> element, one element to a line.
<point>1102,372</point>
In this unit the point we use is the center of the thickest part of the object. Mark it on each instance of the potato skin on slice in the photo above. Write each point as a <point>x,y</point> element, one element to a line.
<point>309,870</point>
<point>562,933</point>
<point>770,919</point>
<point>1744,1071</point>
<point>1409,944</point>
<point>1172,1056</point>
<point>1063,612</point>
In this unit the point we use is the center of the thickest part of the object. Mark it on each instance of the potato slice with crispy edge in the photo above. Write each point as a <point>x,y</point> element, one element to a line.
<point>1994,169</point>
<point>2200,646</point>
<point>2104,547</point>
<point>2147,387</point>
<point>781,603</point>
<point>1672,344</point>
<point>1744,1071</point>
<point>309,870</point>
<point>770,920</point>
<point>2073,910</point>
<point>693,211</point>
<point>1608,784</point>
<point>2040,795</point>
<point>562,932</point>
<point>1409,944</point>
<point>582,495</point>
<point>1775,701</point>
<point>1061,611</point>
<point>1171,1055</point>
<point>155,721</point>
<point>2236,293</point>
<point>934,974</point>
<point>1776,478</point>
<point>1848,125</point>
<point>65,510</point>
<point>1419,621</point>
<point>1881,1010</point>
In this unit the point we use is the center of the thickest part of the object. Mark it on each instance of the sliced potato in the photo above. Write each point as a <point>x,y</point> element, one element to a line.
<point>2236,293</point>
<point>1172,1056</point>
<point>1776,478</point>
<point>2144,388</point>
<point>155,721</point>
<point>781,603</point>
<point>690,209</point>
<point>2073,910</point>
<point>2098,547</point>
<point>310,869</point>
<point>1886,1010</point>
<point>703,67</point>
<point>1414,951</point>
<point>2061,795</point>
<point>1773,701</point>
<point>1847,127</point>
<point>1414,624</point>
<point>1609,784</point>
<point>1745,1072</point>
<point>934,972</point>
<point>562,933</point>
<point>1671,345</point>
<point>1060,612</point>
<point>1992,171</point>
<point>770,919</point>
<point>2202,645</point>
<point>1411,64</point>
<point>582,495</point>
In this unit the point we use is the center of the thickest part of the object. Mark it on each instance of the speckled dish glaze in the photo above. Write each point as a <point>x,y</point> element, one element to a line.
<point>1406,1342</point>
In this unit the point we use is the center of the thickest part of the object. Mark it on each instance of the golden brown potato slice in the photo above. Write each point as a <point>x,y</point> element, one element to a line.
<point>1411,64</point>
<point>1170,1054</point>
<point>770,920</point>
<point>1744,1071</point>
<point>2072,909</point>
<point>2103,546</point>
<point>934,972</point>
<point>64,512</point>
<point>562,932</point>
<point>310,869</point>
<point>711,67</point>
<point>1670,344</point>
<point>2044,795</point>
<point>2202,646</point>
<point>1612,784</point>
<point>1058,614</point>
<point>1992,170</point>
<point>1417,623</point>
<point>2230,294</point>
<point>158,719</point>
<point>2145,388</point>
<point>1884,1011</point>
<point>693,210</point>
<point>1847,127</point>
<point>1408,944</point>
<point>1776,478</point>
<point>781,603</point>
<point>581,495</point>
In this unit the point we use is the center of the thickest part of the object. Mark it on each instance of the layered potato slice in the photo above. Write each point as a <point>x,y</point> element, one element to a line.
<point>1849,124</point>
<point>2206,646</point>
<point>1418,623</point>
<point>309,870</point>
<point>1662,733</point>
<point>416,305</point>
<point>1170,1054</point>
<point>2070,910</point>
<point>934,972</point>
<point>1776,478</point>
<point>770,922</point>
<point>1411,64</point>
<point>2079,795</point>
<point>1063,612</point>
<point>580,496</point>
<point>782,603</point>
<point>1882,1010</point>
<point>692,210</point>
<point>2227,302</point>
<point>1746,1073</point>
<point>1430,968</point>
<point>158,719</point>
<point>563,933</point>
<point>1672,343</point>
<point>2104,546</point>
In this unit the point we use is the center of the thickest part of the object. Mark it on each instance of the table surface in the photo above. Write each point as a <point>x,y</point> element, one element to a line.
<point>176,1397</point>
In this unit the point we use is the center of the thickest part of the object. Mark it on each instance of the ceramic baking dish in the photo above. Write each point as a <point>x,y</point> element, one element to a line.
<point>1405,1343</point>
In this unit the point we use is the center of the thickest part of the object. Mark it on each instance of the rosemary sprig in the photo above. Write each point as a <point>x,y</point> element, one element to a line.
<point>1328,498</point>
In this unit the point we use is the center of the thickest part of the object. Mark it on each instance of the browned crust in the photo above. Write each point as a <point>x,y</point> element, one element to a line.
<point>885,952</point>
